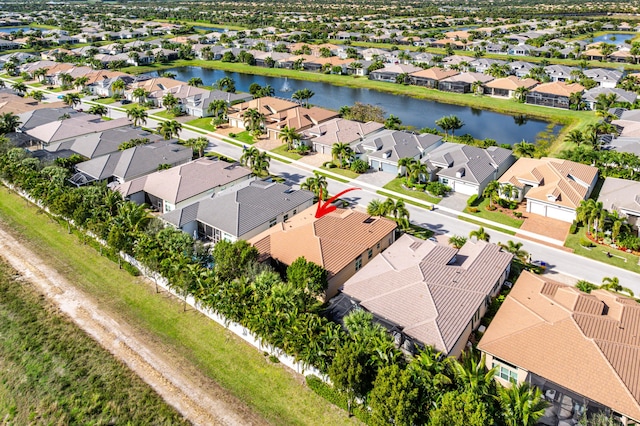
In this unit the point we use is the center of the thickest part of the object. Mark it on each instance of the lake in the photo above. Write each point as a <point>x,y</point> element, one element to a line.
<point>209,29</point>
<point>9,30</point>
<point>619,38</point>
<point>419,113</point>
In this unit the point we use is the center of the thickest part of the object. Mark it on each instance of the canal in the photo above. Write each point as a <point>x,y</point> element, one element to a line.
<point>419,113</point>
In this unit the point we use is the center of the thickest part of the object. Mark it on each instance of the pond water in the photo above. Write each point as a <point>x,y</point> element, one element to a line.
<point>419,113</point>
<point>613,38</point>
<point>9,30</point>
<point>209,29</point>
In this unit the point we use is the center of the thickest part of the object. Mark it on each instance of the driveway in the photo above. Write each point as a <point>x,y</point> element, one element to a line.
<point>455,201</point>
<point>552,228</point>
<point>375,178</point>
<point>315,159</point>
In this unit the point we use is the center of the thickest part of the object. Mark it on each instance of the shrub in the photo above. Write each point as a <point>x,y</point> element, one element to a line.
<point>232,135</point>
<point>420,187</point>
<point>359,166</point>
<point>585,242</point>
<point>517,214</point>
<point>336,398</point>
<point>585,286</point>
<point>438,189</point>
<point>472,200</point>
<point>329,165</point>
<point>473,209</point>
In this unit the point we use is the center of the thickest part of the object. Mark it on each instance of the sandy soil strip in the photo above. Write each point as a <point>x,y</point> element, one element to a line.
<point>197,398</point>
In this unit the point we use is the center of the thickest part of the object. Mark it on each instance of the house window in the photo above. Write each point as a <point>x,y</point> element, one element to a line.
<point>506,373</point>
<point>272,222</point>
<point>370,254</point>
<point>286,216</point>
<point>295,211</point>
<point>378,246</point>
<point>358,263</point>
<point>445,181</point>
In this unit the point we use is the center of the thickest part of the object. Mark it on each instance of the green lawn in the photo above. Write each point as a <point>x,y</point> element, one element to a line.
<point>203,123</point>
<point>282,150</point>
<point>484,225</point>
<point>495,216</point>
<point>396,185</point>
<point>343,172</point>
<point>599,253</point>
<point>105,101</point>
<point>127,107</point>
<point>271,390</point>
<point>55,373</point>
<point>245,137</point>
<point>165,114</point>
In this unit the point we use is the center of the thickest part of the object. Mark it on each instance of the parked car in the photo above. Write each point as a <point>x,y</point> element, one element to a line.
<point>540,264</point>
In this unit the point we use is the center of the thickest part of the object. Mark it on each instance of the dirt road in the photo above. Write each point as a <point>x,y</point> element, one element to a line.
<point>196,397</point>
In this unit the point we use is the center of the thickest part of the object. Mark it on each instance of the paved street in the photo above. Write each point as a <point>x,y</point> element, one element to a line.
<point>439,220</point>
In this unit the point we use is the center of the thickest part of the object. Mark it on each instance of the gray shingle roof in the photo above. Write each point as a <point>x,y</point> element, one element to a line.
<point>478,163</point>
<point>394,144</point>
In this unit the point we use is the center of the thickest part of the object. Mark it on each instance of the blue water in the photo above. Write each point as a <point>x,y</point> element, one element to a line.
<point>419,113</point>
<point>209,29</point>
<point>619,38</point>
<point>13,29</point>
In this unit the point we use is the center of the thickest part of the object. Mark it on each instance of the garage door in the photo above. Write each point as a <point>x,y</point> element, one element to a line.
<point>537,208</point>
<point>375,165</point>
<point>463,188</point>
<point>561,214</point>
<point>389,168</point>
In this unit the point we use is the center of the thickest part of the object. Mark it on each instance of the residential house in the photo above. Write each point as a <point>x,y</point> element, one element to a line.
<point>198,104</point>
<point>506,87</point>
<point>132,163</point>
<point>622,96</point>
<point>520,50</point>
<point>96,144</point>
<point>431,77</point>
<point>467,169</point>
<point>428,294</point>
<point>560,73</point>
<point>342,242</point>
<point>299,119</point>
<point>582,350</point>
<point>392,71</point>
<point>382,150</point>
<point>323,136</point>
<point>604,77</point>
<point>240,212</point>
<point>464,82</point>
<point>555,95</point>
<point>552,187</point>
<point>180,186</point>
<point>622,196</point>
<point>156,88</point>
<point>483,64</point>
<point>266,105</point>
<point>11,102</point>
<point>520,69</point>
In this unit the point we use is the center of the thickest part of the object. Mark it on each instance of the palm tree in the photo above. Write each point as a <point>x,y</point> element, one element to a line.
<point>454,124</point>
<point>515,249</point>
<point>9,122</point>
<point>249,156</point>
<point>118,87</point>
<point>522,404</point>
<point>417,171</point>
<point>38,95</point>
<point>138,115</point>
<point>98,110</point>
<point>260,165</point>
<point>218,108</point>
<point>471,373</point>
<point>40,74</point>
<point>316,184</point>
<point>445,124</point>
<point>226,84</point>
<point>198,145</point>
<point>575,137</point>
<point>491,191</point>
<point>480,234</point>
<point>81,82</point>
<point>71,99</point>
<point>290,136</point>
<point>521,94</point>
<point>524,149</point>
<point>404,164</point>
<point>65,79</point>
<point>303,95</point>
<point>19,87</point>
<point>133,217</point>
<point>457,241</point>
<point>140,94</point>
<point>377,208</point>
<point>169,101</point>
<point>253,120</point>
<point>195,82</point>
<point>613,284</point>
<point>168,129</point>
<point>341,152</point>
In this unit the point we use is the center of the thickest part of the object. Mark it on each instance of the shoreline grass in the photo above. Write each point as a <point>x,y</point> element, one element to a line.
<point>64,376</point>
<point>271,390</point>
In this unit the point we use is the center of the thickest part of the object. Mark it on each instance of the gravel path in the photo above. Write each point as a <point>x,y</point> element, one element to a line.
<point>197,398</point>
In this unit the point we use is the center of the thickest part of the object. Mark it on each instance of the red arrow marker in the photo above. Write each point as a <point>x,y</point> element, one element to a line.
<point>327,207</point>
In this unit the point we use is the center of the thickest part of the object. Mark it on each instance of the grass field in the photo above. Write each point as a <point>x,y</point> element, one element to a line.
<point>619,258</point>
<point>282,150</point>
<point>53,373</point>
<point>203,123</point>
<point>495,216</point>
<point>396,185</point>
<point>271,390</point>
